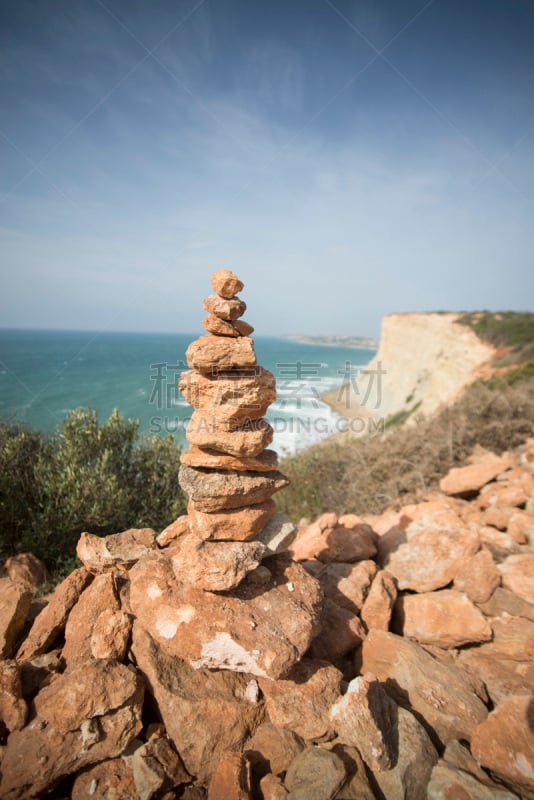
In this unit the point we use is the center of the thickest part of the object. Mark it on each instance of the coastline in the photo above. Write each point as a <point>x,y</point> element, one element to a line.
<point>355,342</point>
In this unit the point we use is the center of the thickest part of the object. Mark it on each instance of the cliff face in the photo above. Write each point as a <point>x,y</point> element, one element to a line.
<point>424,361</point>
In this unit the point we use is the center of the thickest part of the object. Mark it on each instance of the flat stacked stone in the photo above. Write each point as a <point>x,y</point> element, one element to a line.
<point>228,472</point>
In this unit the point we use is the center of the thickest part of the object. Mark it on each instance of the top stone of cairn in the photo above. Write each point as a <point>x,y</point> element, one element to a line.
<point>226,284</point>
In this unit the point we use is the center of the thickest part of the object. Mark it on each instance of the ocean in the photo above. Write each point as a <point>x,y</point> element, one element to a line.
<point>44,374</point>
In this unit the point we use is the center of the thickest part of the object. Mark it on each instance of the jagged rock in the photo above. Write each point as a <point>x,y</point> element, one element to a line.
<point>464,480</point>
<point>502,676</point>
<point>237,524</point>
<point>39,672</point>
<point>214,566</point>
<point>440,694</point>
<point>217,490</point>
<point>517,574</point>
<point>100,595</point>
<point>244,440</point>
<point>502,496</point>
<point>27,569</point>
<point>226,284</point>
<point>272,749</point>
<point>232,397</point>
<point>498,517</point>
<point>13,708</point>
<point>223,327</point>
<point>521,527</point>
<point>513,637</point>
<point>315,774</point>
<point>342,631</point>
<point>503,601</point>
<point>459,756</point>
<point>478,577</point>
<point>379,603</point>
<point>504,743</point>
<point>278,533</point>
<point>438,545</point>
<point>231,778</point>
<point>204,457</point>
<point>110,780</point>
<point>15,602</point>
<point>225,308</point>
<point>272,788</point>
<point>346,584</point>
<point>178,528</point>
<point>210,353</point>
<point>263,633</point>
<point>356,787</point>
<point>366,717</point>
<point>83,717</point>
<point>110,635</point>
<point>101,553</point>
<point>339,543</point>
<point>301,702</point>
<point>444,618</point>
<point>409,775</point>
<point>50,623</point>
<point>204,712</point>
<point>499,543</point>
<point>155,766</point>
<point>448,782</point>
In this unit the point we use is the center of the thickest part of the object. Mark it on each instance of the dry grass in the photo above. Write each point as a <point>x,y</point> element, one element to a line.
<point>346,474</point>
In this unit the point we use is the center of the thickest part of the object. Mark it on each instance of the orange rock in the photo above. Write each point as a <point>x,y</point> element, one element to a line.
<point>111,778</point>
<point>347,584</point>
<point>219,490</point>
<point>334,543</point>
<point>239,524</point>
<point>478,577</point>
<point>499,543</point>
<point>521,527</point>
<point>13,708</point>
<point>231,778</point>
<point>27,569</point>
<point>448,783</point>
<point>504,744</point>
<point>502,496</point>
<point>517,574</point>
<point>315,773</point>
<point>272,749</point>
<point>211,353</point>
<point>243,440</point>
<point>100,595</point>
<point>226,309</point>
<point>204,457</point>
<point>502,602</point>
<point>178,528</point>
<point>502,676</point>
<point>214,566</point>
<point>100,553</point>
<point>226,284</point>
<point>464,480</point>
<point>378,606</point>
<point>223,327</point>
<point>342,631</point>
<point>15,601</point>
<point>110,635</point>
<point>272,788</point>
<point>445,618</point>
<point>301,702</point>
<point>498,517</point>
<point>232,397</point>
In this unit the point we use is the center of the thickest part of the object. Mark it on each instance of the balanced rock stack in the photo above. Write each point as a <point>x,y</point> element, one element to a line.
<point>222,595</point>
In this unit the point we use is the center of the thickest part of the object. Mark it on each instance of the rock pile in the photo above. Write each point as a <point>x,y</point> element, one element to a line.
<point>389,656</point>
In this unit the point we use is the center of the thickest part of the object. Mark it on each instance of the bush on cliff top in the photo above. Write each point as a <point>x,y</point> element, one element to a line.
<point>90,476</point>
<point>346,474</point>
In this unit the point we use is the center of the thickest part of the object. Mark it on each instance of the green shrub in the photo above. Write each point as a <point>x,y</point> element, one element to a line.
<point>87,476</point>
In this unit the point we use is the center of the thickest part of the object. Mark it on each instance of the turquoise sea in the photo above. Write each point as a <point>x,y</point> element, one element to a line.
<point>44,374</point>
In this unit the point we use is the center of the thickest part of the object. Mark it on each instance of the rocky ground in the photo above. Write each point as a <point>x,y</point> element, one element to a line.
<point>381,657</point>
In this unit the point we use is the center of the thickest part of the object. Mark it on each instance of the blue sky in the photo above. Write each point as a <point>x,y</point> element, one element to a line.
<point>346,159</point>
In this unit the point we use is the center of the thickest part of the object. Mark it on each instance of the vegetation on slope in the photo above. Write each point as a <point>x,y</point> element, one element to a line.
<point>87,476</point>
<point>513,330</point>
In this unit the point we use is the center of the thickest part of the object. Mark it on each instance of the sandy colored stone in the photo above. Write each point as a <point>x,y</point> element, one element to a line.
<point>380,601</point>
<point>439,693</point>
<point>210,353</point>
<point>366,717</point>
<point>356,787</point>
<point>39,672</point>
<point>517,575</point>
<point>178,528</point>
<point>223,327</point>
<point>278,533</point>
<point>214,566</point>
<point>231,778</point>
<point>521,527</point>
<point>244,440</point>
<point>504,743</point>
<point>478,577</point>
<point>342,632</point>
<point>409,776</point>
<point>224,308</point>
<point>112,778</point>
<point>226,284</point>
<point>513,637</point>
<point>13,708</point>
<point>15,602</point>
<point>315,774</point>
<point>50,623</point>
<point>272,788</point>
<point>204,712</point>
<point>87,715</point>
<point>499,543</point>
<point>301,702</point>
<point>155,766</point>
<point>233,397</point>
<point>110,635</point>
<point>100,595</point>
<point>101,553</point>
<point>237,524</point>
<point>503,676</point>
<point>195,456</point>
<point>465,480</point>
<point>448,782</point>
<point>347,585</point>
<point>445,618</point>
<point>260,632</point>
<point>498,517</point>
<point>502,496</point>
<point>502,601</point>
<point>337,543</point>
<point>272,749</point>
<point>27,569</point>
<point>435,551</point>
<point>219,490</point>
